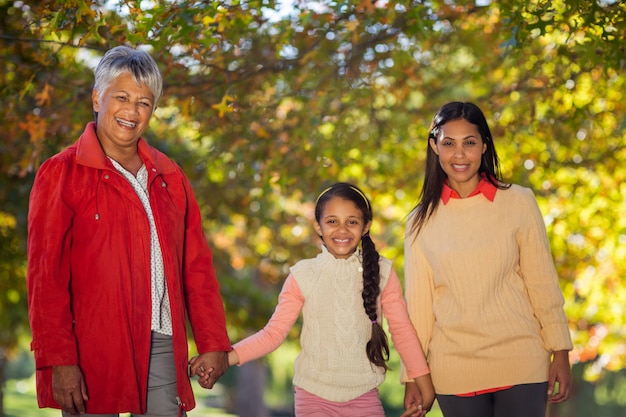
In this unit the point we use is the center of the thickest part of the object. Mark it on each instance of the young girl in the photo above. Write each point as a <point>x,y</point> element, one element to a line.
<point>481,286</point>
<point>343,293</point>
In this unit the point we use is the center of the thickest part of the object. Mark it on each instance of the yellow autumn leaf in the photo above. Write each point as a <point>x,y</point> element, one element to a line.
<point>208,20</point>
<point>352,25</point>
<point>223,106</point>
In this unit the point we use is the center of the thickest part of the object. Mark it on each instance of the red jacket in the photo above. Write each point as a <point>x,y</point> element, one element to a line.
<point>89,275</point>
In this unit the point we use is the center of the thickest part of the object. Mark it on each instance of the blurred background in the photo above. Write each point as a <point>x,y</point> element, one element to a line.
<point>268,102</point>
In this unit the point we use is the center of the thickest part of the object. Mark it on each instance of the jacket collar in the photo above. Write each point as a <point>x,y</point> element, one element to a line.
<point>89,153</point>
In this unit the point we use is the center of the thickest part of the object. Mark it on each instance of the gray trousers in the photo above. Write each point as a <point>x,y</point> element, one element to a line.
<point>162,391</point>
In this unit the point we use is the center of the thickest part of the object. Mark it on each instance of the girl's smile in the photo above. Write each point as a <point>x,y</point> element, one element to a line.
<point>341,227</point>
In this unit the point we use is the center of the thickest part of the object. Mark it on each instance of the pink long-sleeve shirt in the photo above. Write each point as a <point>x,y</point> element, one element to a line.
<point>290,303</point>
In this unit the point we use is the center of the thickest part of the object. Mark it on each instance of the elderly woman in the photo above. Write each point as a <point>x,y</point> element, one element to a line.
<point>118,260</point>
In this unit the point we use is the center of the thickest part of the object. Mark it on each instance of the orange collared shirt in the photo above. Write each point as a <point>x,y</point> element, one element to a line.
<point>484,391</point>
<point>484,187</point>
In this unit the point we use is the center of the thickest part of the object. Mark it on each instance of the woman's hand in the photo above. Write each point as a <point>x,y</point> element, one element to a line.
<point>419,396</point>
<point>68,389</point>
<point>560,372</point>
<point>209,367</point>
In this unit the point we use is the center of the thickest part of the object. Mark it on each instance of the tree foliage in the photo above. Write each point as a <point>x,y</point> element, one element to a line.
<point>265,105</point>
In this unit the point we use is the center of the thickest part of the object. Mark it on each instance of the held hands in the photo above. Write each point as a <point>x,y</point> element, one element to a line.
<point>419,396</point>
<point>69,389</point>
<point>209,367</point>
<point>559,372</point>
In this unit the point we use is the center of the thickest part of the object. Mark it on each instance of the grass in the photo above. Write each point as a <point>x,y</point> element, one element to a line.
<point>20,400</point>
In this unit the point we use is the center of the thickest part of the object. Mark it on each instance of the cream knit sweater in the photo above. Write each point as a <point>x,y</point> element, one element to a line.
<point>483,293</point>
<point>333,363</point>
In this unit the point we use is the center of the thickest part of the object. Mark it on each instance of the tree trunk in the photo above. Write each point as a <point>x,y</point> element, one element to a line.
<point>251,382</point>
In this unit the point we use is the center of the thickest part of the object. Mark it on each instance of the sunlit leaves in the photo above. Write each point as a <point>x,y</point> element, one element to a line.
<point>591,29</point>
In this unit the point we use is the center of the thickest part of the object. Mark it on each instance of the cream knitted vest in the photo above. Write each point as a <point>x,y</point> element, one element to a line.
<point>332,363</point>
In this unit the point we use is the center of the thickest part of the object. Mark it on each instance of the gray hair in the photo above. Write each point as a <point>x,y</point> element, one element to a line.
<point>140,64</point>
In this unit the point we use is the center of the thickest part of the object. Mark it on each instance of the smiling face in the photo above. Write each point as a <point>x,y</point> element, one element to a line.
<point>341,226</point>
<point>124,110</point>
<point>460,148</point>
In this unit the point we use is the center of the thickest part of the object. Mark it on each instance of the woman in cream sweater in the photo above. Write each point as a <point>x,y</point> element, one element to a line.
<point>481,287</point>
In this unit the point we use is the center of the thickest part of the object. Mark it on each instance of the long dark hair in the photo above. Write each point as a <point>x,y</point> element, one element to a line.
<point>435,176</point>
<point>377,348</point>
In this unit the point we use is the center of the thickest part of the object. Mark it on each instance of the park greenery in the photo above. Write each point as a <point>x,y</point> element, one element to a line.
<point>268,102</point>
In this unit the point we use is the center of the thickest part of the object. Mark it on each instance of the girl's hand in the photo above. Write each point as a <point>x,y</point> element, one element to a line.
<point>414,411</point>
<point>233,358</point>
